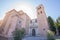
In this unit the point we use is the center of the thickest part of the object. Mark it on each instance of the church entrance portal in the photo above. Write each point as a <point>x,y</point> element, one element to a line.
<point>33,32</point>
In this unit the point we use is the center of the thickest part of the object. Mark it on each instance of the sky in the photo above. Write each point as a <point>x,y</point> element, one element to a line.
<point>51,7</point>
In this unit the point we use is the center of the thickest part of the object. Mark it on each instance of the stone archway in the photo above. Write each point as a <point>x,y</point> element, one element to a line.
<point>33,32</point>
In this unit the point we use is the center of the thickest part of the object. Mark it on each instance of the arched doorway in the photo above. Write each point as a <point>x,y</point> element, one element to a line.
<point>33,32</point>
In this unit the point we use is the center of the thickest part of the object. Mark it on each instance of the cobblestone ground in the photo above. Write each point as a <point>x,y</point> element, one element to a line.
<point>34,38</point>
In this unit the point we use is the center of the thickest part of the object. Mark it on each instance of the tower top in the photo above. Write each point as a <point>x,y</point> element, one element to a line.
<point>40,6</point>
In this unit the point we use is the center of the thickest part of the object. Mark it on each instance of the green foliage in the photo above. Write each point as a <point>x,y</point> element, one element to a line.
<point>58,24</point>
<point>51,24</point>
<point>50,35</point>
<point>18,34</point>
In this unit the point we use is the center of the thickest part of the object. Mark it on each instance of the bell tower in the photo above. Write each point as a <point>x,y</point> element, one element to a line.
<point>42,20</point>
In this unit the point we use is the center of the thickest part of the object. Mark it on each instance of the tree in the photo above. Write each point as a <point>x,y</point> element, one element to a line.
<point>51,24</point>
<point>18,34</point>
<point>50,35</point>
<point>58,24</point>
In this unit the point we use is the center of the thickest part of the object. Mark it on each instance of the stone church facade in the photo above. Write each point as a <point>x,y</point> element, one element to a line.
<point>40,24</point>
<point>20,19</point>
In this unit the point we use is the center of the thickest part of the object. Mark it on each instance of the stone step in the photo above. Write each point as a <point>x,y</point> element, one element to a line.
<point>34,38</point>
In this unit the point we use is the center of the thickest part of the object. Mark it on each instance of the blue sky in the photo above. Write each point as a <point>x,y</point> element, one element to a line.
<point>52,7</point>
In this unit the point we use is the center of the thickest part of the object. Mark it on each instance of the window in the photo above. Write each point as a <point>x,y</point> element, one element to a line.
<point>31,21</point>
<point>2,29</point>
<point>40,7</point>
<point>16,28</point>
<point>35,20</point>
<point>44,29</point>
<point>41,12</point>
<point>19,22</point>
<point>38,13</point>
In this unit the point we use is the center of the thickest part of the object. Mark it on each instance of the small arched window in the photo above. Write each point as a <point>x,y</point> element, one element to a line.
<point>38,13</point>
<point>41,12</point>
<point>44,29</point>
<point>19,22</point>
<point>31,21</point>
<point>40,7</point>
<point>36,20</point>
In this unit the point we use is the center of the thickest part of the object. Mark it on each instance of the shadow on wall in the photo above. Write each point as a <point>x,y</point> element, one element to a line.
<point>3,38</point>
